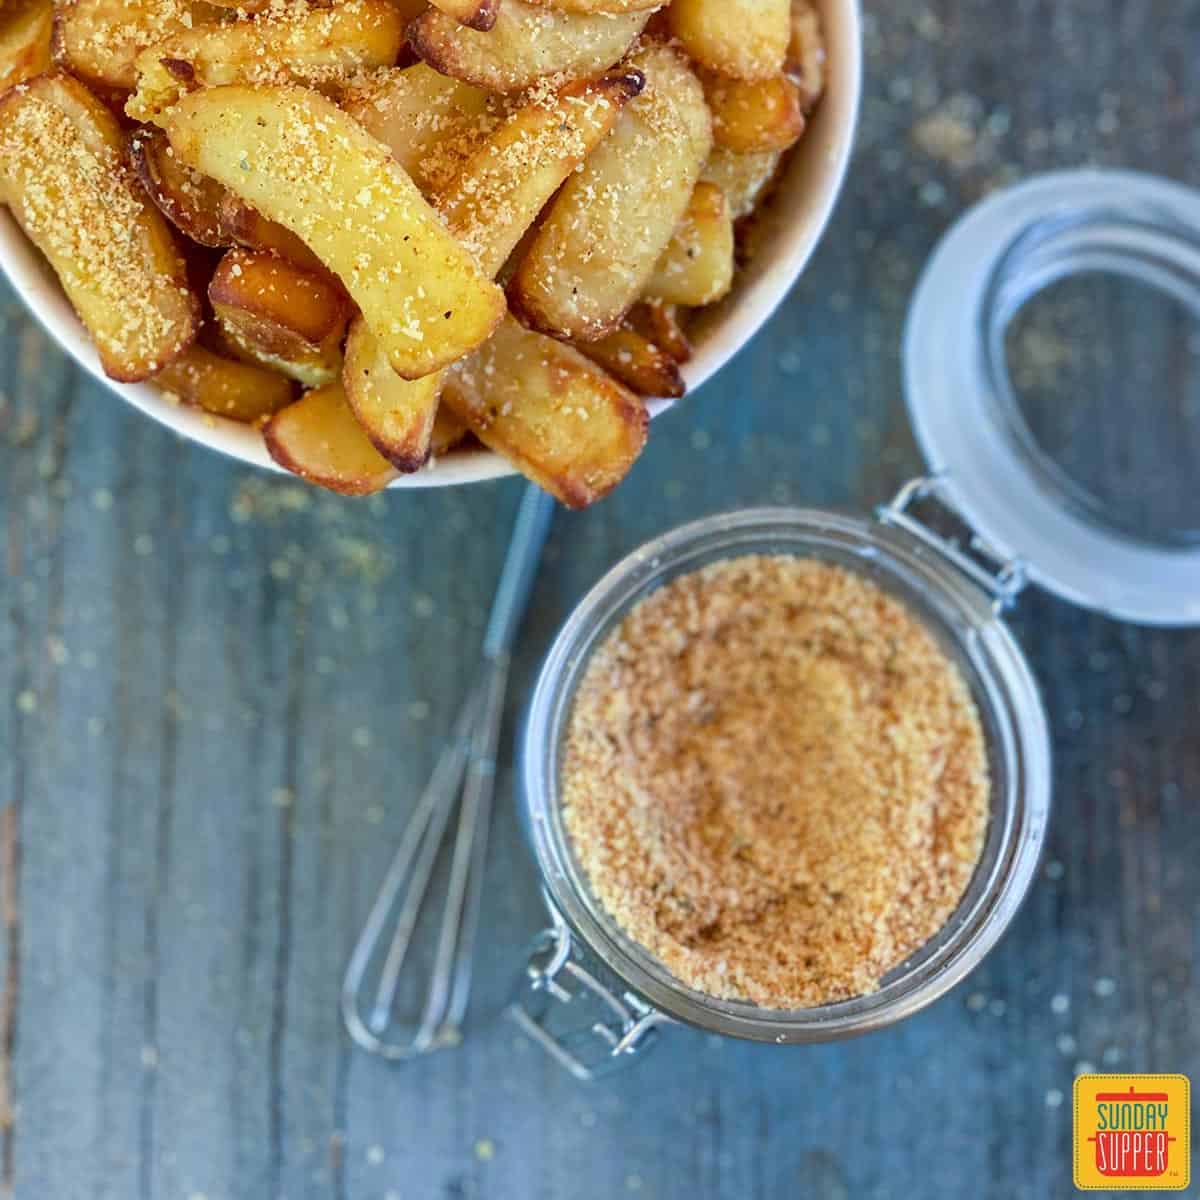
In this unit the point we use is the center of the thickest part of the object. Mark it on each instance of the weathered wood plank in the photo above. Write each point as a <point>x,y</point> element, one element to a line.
<point>221,693</point>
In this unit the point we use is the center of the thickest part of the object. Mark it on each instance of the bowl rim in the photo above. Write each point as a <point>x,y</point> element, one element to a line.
<point>828,148</point>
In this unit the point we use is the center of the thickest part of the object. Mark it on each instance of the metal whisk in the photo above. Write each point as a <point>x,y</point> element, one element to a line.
<point>466,768</point>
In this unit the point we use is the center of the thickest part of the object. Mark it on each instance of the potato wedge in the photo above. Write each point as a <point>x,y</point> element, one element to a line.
<point>317,438</point>
<point>281,315</point>
<point>599,6</point>
<point>742,177</point>
<point>223,387</point>
<point>189,200</point>
<point>639,364</point>
<point>475,14</point>
<point>430,122</point>
<point>246,226</point>
<point>697,266</point>
<point>448,433</point>
<point>598,246</point>
<point>558,418</point>
<point>25,31</point>
<point>491,204</point>
<point>805,63</point>
<point>64,175</point>
<point>751,116</point>
<point>525,44</point>
<point>659,323</point>
<point>100,40</point>
<point>396,414</point>
<point>508,181</point>
<point>747,39</point>
<point>299,160</point>
<point>319,47</point>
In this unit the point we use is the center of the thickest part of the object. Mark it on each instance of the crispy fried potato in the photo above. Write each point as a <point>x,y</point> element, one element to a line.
<point>697,266</point>
<point>317,438</point>
<point>613,218</point>
<point>638,363</point>
<point>806,54</point>
<point>64,175</point>
<point>410,9</point>
<point>206,211</point>
<point>491,204</point>
<point>475,14</point>
<point>397,414</point>
<point>99,40</point>
<point>246,226</point>
<point>448,433</point>
<point>223,387</point>
<point>747,39</point>
<point>659,323</point>
<point>189,200</point>
<point>599,6</point>
<point>25,29</point>
<point>507,182</point>
<point>281,315</point>
<point>525,44</point>
<point>558,418</point>
<point>754,115</point>
<point>299,160</point>
<point>320,47</point>
<point>430,122</point>
<point>742,177</point>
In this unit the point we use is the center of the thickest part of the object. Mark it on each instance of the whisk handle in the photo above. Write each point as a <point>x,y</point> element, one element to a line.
<point>532,526</point>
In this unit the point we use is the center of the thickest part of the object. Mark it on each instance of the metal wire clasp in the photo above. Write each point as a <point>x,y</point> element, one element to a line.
<point>1003,578</point>
<point>554,977</point>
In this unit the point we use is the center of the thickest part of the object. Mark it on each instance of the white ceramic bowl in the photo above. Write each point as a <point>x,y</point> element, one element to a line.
<point>794,223</point>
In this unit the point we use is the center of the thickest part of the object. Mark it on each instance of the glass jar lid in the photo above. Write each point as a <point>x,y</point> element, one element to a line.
<point>965,407</point>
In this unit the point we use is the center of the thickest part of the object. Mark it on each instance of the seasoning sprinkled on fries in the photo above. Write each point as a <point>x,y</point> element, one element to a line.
<point>381,229</point>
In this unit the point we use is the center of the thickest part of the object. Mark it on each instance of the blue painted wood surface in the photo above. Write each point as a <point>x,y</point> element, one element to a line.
<point>221,691</point>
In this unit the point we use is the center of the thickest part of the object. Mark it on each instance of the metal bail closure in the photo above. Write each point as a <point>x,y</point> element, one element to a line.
<point>555,981</point>
<point>1000,577</point>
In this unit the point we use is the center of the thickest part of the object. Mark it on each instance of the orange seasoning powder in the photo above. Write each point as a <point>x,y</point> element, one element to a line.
<point>775,781</point>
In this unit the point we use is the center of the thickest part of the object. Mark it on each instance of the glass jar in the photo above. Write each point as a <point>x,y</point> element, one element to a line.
<point>1026,521</point>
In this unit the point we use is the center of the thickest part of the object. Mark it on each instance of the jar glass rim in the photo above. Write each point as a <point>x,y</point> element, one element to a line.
<point>1014,718</point>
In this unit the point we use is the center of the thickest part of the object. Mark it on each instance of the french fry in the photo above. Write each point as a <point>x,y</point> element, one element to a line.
<point>806,53</point>
<point>100,40</point>
<point>281,315</point>
<point>25,31</point>
<point>246,226</point>
<point>597,248</point>
<point>507,182</point>
<point>475,14</point>
<point>639,364</point>
<point>320,47</point>
<point>599,6</point>
<point>558,418</point>
<point>525,44</point>
<point>697,266</point>
<point>430,122</point>
<point>299,160</point>
<point>448,433</point>
<point>742,177</point>
<point>747,39</point>
<point>189,200</point>
<point>223,387</point>
<point>317,438</point>
<point>491,204</point>
<point>752,116</point>
<point>659,323</point>
<point>397,415</point>
<point>64,175</point>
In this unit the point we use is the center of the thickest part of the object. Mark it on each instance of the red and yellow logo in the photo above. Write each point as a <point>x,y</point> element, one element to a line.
<point>1133,1132</point>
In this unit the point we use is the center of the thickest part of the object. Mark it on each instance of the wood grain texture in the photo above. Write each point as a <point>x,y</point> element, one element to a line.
<point>221,691</point>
